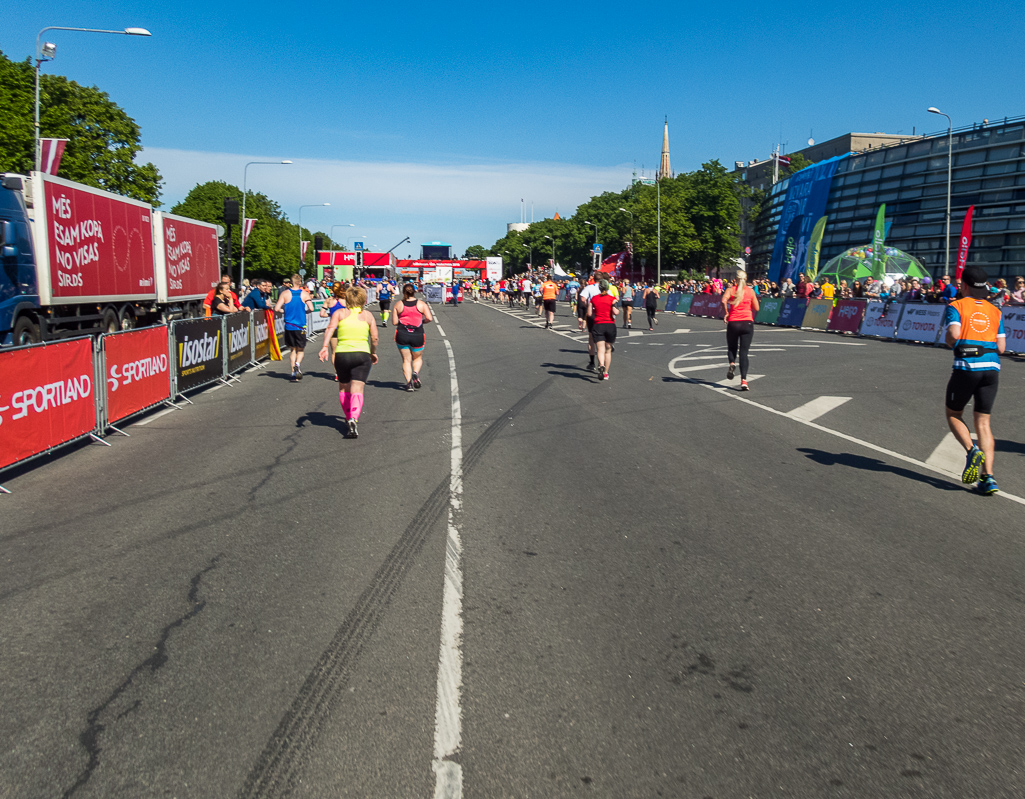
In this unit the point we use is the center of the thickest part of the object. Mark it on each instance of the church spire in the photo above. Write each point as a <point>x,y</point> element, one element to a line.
<point>664,170</point>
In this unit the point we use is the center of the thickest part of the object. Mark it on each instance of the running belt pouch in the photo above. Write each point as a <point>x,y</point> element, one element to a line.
<point>969,350</point>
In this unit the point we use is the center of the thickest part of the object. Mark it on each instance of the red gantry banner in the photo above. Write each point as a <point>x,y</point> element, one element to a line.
<point>137,373</point>
<point>965,242</point>
<point>46,398</point>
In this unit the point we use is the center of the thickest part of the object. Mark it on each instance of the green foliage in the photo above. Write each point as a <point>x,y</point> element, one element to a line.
<point>103,139</point>
<point>272,249</point>
<point>797,163</point>
<point>476,252</point>
<point>700,225</point>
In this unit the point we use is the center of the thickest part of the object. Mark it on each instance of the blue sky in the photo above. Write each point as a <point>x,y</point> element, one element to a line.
<point>433,120</point>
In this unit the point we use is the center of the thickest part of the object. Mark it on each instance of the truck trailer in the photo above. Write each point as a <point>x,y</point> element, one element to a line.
<point>80,261</point>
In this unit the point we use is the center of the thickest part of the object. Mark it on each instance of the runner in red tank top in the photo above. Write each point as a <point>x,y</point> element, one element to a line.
<point>740,304</point>
<point>602,310</point>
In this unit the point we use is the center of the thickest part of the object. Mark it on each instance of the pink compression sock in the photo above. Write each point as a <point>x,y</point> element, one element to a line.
<point>356,403</point>
<point>344,397</point>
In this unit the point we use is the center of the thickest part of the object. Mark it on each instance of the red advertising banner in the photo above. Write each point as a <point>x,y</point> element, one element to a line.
<point>99,245</point>
<point>707,305</point>
<point>847,316</point>
<point>190,249</point>
<point>137,370</point>
<point>965,241</point>
<point>46,398</point>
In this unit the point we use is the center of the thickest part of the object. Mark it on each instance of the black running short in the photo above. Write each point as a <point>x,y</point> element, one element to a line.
<point>604,331</point>
<point>410,337</point>
<point>295,338</point>
<point>581,309</point>
<point>550,305</point>
<point>385,304</point>
<point>979,386</point>
<point>537,302</point>
<point>352,366</point>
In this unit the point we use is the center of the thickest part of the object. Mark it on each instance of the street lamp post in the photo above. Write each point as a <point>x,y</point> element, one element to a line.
<point>245,175</point>
<point>49,50</point>
<point>658,205</point>
<point>595,248</point>
<point>347,224</point>
<point>553,251</point>
<point>314,205</point>
<point>950,150</point>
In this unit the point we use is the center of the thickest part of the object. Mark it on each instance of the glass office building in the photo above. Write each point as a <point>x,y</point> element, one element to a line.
<point>988,171</point>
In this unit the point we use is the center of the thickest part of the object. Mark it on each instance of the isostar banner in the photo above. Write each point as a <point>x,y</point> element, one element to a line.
<point>847,316</point>
<point>921,323</point>
<point>188,263</point>
<point>807,193</point>
<point>137,370</point>
<point>964,242</point>
<point>880,318</point>
<point>237,335</point>
<point>98,245</point>
<point>46,398</point>
<point>198,357</point>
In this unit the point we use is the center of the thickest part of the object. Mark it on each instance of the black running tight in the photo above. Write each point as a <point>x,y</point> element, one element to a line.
<point>739,335</point>
<point>651,316</point>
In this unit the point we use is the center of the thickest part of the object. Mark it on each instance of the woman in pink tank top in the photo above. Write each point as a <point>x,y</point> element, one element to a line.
<point>740,304</point>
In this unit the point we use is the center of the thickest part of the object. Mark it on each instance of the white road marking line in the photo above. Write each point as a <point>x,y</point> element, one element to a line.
<point>440,331</point>
<point>843,343</point>
<point>154,417</point>
<point>448,713</point>
<point>701,357</point>
<point>949,456</point>
<point>735,382</point>
<point>866,444</point>
<point>702,368</point>
<point>819,406</point>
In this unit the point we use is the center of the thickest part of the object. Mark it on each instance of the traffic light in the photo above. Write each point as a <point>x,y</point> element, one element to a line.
<point>359,259</point>
<point>318,243</point>
<point>231,215</point>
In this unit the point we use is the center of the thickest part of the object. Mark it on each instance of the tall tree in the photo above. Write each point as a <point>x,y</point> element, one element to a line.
<point>103,139</point>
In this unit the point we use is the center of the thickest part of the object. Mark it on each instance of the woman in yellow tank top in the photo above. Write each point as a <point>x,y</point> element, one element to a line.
<point>355,352</point>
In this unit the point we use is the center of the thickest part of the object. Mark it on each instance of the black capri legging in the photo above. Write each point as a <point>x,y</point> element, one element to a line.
<point>738,336</point>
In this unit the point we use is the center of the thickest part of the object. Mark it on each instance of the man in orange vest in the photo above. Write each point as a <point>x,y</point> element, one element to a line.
<point>549,294</point>
<point>975,330</point>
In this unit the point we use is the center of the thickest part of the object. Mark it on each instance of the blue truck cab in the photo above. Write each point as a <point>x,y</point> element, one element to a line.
<point>19,292</point>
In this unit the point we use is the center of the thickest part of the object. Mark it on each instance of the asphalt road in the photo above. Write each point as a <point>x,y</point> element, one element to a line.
<point>668,588</point>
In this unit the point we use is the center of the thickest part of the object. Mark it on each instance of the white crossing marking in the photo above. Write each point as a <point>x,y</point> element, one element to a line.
<point>703,367</point>
<point>948,456</point>
<point>843,343</point>
<point>820,406</point>
<point>735,382</point>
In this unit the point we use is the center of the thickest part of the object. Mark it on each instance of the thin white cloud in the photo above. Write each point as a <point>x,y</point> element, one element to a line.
<point>464,204</point>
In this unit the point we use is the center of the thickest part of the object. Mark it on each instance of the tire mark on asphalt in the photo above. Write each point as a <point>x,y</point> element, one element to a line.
<point>90,737</point>
<point>282,760</point>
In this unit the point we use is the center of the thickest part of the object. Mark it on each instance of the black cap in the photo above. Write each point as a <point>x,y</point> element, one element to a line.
<point>975,276</point>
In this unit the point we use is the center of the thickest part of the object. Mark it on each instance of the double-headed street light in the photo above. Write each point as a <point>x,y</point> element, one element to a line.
<point>242,238</point>
<point>314,205</point>
<point>950,150</point>
<point>347,224</point>
<point>45,51</point>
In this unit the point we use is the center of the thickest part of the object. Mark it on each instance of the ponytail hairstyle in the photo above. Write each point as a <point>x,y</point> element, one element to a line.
<point>741,287</point>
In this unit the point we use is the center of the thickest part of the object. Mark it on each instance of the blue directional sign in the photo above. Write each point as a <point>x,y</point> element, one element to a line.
<point>357,245</point>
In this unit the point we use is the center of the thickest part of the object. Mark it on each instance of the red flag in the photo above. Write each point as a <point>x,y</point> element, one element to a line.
<point>303,257</point>
<point>247,228</point>
<point>50,152</point>
<point>272,337</point>
<point>965,242</point>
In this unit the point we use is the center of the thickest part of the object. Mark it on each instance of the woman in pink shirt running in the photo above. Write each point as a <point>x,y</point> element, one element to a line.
<point>740,304</point>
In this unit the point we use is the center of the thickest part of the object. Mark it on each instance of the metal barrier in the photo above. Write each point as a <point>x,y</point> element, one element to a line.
<point>198,354</point>
<point>134,367</point>
<point>47,399</point>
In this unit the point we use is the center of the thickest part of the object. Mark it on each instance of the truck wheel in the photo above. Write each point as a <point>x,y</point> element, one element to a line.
<point>26,331</point>
<point>127,318</point>
<point>110,323</point>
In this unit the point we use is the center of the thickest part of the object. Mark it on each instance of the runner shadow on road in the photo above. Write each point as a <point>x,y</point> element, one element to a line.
<point>395,384</point>
<point>1016,447</point>
<point>320,419</point>
<point>875,465</point>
